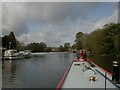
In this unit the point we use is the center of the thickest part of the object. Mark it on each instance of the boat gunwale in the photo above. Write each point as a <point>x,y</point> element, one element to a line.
<point>64,77</point>
<point>110,74</point>
<point>77,60</point>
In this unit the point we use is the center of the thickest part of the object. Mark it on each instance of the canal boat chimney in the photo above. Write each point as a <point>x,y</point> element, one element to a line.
<point>115,74</point>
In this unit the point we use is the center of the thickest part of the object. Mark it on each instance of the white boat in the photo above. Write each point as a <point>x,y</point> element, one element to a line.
<point>26,53</point>
<point>86,74</point>
<point>12,54</point>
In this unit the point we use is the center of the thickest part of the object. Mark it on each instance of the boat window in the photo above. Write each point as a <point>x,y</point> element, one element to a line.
<point>15,51</point>
<point>77,64</point>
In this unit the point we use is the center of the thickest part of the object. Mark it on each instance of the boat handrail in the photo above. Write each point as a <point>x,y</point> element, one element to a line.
<point>118,87</point>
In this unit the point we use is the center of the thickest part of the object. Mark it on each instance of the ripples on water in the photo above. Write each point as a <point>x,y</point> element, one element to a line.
<point>0,73</point>
<point>40,71</point>
<point>103,61</point>
<point>43,70</point>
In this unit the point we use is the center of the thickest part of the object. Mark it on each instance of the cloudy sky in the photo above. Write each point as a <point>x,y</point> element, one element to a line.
<point>55,22</point>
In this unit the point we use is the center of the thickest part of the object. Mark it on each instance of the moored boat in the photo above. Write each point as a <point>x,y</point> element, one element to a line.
<point>12,54</point>
<point>26,53</point>
<point>86,74</point>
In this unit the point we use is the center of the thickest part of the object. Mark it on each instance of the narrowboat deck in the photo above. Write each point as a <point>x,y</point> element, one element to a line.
<point>83,74</point>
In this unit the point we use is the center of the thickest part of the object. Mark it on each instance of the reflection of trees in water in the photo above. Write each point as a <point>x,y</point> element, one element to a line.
<point>103,61</point>
<point>9,68</point>
<point>13,70</point>
<point>67,55</point>
<point>32,72</point>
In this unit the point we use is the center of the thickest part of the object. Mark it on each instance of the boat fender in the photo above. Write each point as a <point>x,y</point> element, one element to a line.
<point>115,74</point>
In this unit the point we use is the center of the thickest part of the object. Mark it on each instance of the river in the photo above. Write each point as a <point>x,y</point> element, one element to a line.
<point>42,71</point>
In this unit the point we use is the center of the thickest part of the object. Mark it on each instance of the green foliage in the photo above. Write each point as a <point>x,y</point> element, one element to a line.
<point>101,41</point>
<point>20,46</point>
<point>9,41</point>
<point>48,49</point>
<point>66,46</point>
<point>60,49</point>
<point>111,41</point>
<point>37,47</point>
<point>96,41</point>
<point>5,42</point>
<point>12,40</point>
<point>117,43</point>
<point>78,41</point>
<point>0,41</point>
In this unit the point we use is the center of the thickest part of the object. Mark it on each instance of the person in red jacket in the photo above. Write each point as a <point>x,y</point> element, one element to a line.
<point>85,56</point>
<point>81,55</point>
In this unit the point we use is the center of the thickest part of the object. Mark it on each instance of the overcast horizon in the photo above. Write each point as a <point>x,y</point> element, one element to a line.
<point>55,23</point>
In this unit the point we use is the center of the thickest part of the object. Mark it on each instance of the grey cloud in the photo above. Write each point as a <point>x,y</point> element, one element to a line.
<point>14,18</point>
<point>0,19</point>
<point>112,18</point>
<point>57,12</point>
<point>55,22</point>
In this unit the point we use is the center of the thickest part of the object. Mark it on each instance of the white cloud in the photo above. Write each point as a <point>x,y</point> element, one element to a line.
<point>24,38</point>
<point>111,19</point>
<point>14,18</point>
<point>52,23</point>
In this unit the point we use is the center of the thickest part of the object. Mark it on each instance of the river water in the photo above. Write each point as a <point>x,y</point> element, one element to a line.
<point>43,70</point>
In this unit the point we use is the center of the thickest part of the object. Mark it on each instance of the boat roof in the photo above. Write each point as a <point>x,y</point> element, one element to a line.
<point>78,77</point>
<point>9,50</point>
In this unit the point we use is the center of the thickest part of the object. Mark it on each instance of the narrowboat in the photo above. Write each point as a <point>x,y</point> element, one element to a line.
<point>86,74</point>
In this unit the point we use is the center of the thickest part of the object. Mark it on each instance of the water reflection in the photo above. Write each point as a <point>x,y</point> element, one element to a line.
<point>41,71</point>
<point>103,61</point>
<point>13,70</point>
<point>10,66</point>
<point>0,73</point>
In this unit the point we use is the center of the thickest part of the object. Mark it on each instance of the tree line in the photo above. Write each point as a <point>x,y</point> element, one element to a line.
<point>101,41</point>
<point>105,41</point>
<point>10,42</point>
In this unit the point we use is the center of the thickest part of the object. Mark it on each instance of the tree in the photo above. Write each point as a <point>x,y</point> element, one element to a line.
<point>96,41</point>
<point>66,46</point>
<point>48,49</point>
<point>102,41</point>
<point>37,47</point>
<point>111,41</point>
<point>61,48</point>
<point>87,42</point>
<point>78,41</point>
<point>5,42</point>
<point>12,40</point>
<point>117,43</point>
<point>20,45</point>
<point>0,41</point>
